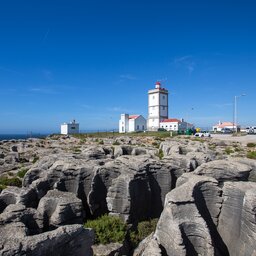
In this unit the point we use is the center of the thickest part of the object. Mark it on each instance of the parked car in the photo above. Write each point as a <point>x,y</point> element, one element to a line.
<point>251,130</point>
<point>202,134</point>
<point>226,130</point>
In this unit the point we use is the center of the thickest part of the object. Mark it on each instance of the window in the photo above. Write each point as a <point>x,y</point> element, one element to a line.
<point>138,127</point>
<point>163,97</point>
<point>153,97</point>
<point>163,108</point>
<point>122,129</point>
<point>72,127</point>
<point>143,127</point>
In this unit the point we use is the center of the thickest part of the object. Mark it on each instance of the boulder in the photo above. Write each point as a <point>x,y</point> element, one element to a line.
<point>9,196</point>
<point>187,225</point>
<point>66,240</point>
<point>225,170</point>
<point>60,208</point>
<point>30,217</point>
<point>113,249</point>
<point>237,223</point>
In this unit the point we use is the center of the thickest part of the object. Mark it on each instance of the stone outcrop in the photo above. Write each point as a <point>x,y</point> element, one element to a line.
<point>206,201</point>
<point>60,208</point>
<point>66,240</point>
<point>211,211</point>
<point>224,170</point>
<point>237,222</point>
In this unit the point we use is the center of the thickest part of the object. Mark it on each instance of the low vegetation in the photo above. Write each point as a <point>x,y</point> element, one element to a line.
<point>21,173</point>
<point>160,154</point>
<point>251,154</point>
<point>108,229</point>
<point>155,144</point>
<point>144,229</point>
<point>251,145</point>
<point>13,181</point>
<point>35,159</point>
<point>116,143</point>
<point>111,229</point>
<point>228,151</point>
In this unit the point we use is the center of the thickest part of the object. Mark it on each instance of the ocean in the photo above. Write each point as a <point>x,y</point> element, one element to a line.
<point>21,136</point>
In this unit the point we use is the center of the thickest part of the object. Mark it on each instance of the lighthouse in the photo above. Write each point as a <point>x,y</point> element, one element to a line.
<point>157,106</point>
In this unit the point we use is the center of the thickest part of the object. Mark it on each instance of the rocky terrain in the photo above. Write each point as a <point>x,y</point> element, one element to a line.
<point>202,191</point>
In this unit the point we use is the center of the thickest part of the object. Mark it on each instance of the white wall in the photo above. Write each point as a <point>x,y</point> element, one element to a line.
<point>124,123</point>
<point>140,124</point>
<point>170,126</point>
<point>157,108</point>
<point>70,128</point>
<point>153,124</point>
<point>175,126</point>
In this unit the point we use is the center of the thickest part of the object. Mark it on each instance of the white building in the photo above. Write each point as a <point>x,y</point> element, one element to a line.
<point>224,125</point>
<point>175,124</point>
<point>157,106</point>
<point>133,123</point>
<point>70,128</point>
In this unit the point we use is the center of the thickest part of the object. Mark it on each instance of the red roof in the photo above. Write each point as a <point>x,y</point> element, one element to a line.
<point>224,124</point>
<point>172,120</point>
<point>133,116</point>
<point>158,83</point>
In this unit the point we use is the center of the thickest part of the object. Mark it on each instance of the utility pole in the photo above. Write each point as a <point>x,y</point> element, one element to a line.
<point>235,112</point>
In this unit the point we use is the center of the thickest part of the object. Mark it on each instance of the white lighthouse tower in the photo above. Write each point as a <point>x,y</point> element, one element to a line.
<point>157,106</point>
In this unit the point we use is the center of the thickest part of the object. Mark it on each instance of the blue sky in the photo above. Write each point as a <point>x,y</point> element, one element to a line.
<point>93,60</point>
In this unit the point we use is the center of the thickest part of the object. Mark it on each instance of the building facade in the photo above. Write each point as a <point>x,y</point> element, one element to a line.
<point>175,124</point>
<point>225,125</point>
<point>157,106</point>
<point>132,123</point>
<point>70,128</point>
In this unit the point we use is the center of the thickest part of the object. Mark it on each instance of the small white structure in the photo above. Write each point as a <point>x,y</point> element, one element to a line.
<point>132,123</point>
<point>157,106</point>
<point>174,124</point>
<point>224,125</point>
<point>70,128</point>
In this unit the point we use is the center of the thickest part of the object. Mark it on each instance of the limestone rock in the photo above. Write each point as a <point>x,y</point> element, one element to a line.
<point>30,217</point>
<point>148,246</point>
<point>8,196</point>
<point>66,240</point>
<point>113,249</point>
<point>60,208</point>
<point>225,170</point>
<point>187,223</point>
<point>237,223</point>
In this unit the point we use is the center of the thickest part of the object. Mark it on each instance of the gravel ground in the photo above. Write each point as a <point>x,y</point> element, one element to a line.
<point>243,139</point>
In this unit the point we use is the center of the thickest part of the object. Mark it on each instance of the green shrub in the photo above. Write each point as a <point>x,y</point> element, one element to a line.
<point>116,143</point>
<point>108,229</point>
<point>36,158</point>
<point>2,187</point>
<point>155,144</point>
<point>101,142</point>
<point>144,229</point>
<point>160,154</point>
<point>251,154</point>
<point>228,151</point>
<point>21,173</point>
<point>14,181</point>
<point>251,145</point>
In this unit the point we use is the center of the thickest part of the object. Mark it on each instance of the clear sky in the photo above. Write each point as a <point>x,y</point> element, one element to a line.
<point>93,60</point>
